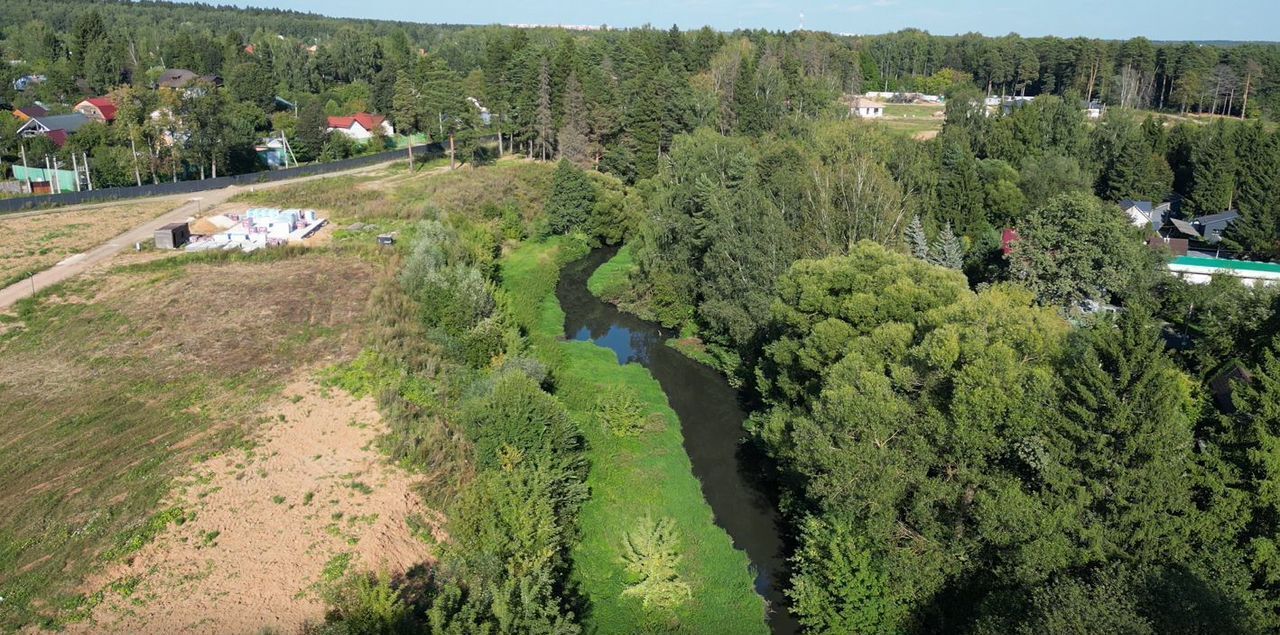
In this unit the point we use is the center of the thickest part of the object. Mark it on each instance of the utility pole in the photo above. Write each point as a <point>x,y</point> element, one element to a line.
<point>76,169</point>
<point>26,170</point>
<point>51,176</point>
<point>87,177</point>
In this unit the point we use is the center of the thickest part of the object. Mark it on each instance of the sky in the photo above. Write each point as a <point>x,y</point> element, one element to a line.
<point>1108,19</point>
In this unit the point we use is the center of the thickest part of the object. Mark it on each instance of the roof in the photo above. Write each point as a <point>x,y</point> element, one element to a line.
<point>1222,263</point>
<point>1185,227</point>
<point>863,102</point>
<point>58,137</point>
<point>104,105</point>
<point>1143,206</point>
<point>1221,218</point>
<point>70,123</point>
<point>366,121</point>
<point>175,78</point>
<point>32,111</point>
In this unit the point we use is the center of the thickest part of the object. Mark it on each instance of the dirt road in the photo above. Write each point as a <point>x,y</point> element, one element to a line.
<point>188,205</point>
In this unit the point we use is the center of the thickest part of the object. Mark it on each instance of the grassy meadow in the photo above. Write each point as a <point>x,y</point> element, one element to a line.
<point>114,384</point>
<point>631,476</point>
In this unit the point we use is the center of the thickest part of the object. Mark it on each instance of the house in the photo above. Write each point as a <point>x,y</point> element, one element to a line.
<point>56,127</point>
<point>1202,269</point>
<point>27,81</point>
<point>99,109</point>
<point>1094,110</point>
<point>1212,226</point>
<point>361,126</point>
<point>1145,213</point>
<point>1208,229</point>
<point>1007,239</point>
<point>866,108</point>
<point>178,78</point>
<point>27,112</point>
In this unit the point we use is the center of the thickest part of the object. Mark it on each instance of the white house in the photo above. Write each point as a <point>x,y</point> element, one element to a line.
<point>867,109</point>
<point>361,125</point>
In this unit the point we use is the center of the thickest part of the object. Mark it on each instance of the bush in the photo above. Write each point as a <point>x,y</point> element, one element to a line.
<point>518,414</point>
<point>651,552</point>
<point>365,605</point>
<point>620,412</point>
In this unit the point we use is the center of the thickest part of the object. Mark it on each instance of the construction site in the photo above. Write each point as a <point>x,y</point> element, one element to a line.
<point>247,230</point>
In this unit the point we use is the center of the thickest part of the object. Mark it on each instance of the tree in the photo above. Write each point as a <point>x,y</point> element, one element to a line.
<point>1076,248</point>
<point>544,124</point>
<point>838,586</point>
<point>948,252</point>
<point>959,190</point>
<point>917,240</point>
<point>312,132</point>
<point>572,138</point>
<point>572,199</point>
<point>87,30</point>
<point>251,82</point>
<point>1213,170</point>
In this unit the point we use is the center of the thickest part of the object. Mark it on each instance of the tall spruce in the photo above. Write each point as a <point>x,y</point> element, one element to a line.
<point>573,137</point>
<point>917,240</point>
<point>1213,170</point>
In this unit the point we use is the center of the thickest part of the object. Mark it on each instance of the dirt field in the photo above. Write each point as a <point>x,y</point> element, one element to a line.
<point>118,380</point>
<point>270,524</point>
<point>31,242</point>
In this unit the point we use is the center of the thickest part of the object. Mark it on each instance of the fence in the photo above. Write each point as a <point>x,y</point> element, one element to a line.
<point>11,205</point>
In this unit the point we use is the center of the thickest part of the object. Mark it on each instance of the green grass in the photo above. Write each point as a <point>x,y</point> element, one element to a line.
<point>611,280</point>
<point>631,477</point>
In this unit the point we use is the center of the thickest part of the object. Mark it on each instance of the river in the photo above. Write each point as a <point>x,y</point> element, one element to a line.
<point>710,417</point>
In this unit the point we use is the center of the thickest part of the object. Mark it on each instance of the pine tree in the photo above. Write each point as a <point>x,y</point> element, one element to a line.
<point>544,125</point>
<point>948,252</point>
<point>1126,417</point>
<point>1213,172</point>
<point>959,189</point>
<point>1259,190</point>
<point>572,199</point>
<point>917,240</point>
<point>1258,431</point>
<point>572,137</point>
<point>311,133</point>
<point>88,30</point>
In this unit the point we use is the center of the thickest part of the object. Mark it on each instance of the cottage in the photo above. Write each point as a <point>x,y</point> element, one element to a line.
<point>179,78</point>
<point>361,126</point>
<point>100,109</point>
<point>27,112</point>
<point>1212,226</point>
<point>56,127</point>
<point>1145,213</point>
<point>866,108</point>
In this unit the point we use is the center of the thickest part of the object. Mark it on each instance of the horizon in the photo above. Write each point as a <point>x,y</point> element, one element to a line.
<point>1247,21</point>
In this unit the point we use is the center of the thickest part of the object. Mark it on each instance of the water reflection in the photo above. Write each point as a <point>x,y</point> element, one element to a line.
<point>710,419</point>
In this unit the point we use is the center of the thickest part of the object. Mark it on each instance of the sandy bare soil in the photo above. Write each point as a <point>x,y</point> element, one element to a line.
<point>269,525</point>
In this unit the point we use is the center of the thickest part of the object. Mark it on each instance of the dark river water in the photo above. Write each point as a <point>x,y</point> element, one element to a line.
<point>710,417</point>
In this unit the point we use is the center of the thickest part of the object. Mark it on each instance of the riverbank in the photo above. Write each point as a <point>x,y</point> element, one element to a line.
<point>631,476</point>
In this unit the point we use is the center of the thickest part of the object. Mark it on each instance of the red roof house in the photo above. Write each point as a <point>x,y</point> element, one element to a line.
<point>1007,238</point>
<point>97,108</point>
<point>361,125</point>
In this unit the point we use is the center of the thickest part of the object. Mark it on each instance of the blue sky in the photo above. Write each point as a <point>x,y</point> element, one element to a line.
<point>1118,19</point>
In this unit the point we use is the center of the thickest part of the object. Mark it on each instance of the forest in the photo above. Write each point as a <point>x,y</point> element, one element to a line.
<point>958,439</point>
<point>593,92</point>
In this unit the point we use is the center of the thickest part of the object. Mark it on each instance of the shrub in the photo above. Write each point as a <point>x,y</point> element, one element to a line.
<point>651,552</point>
<point>517,413</point>
<point>365,605</point>
<point>620,412</point>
